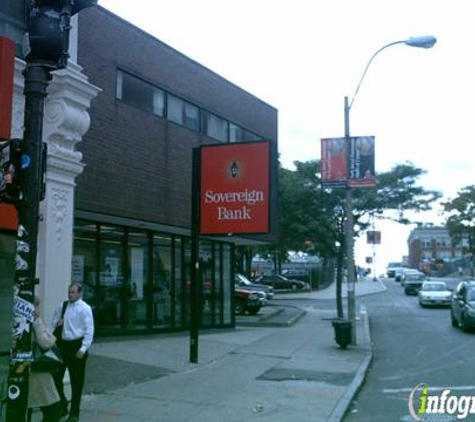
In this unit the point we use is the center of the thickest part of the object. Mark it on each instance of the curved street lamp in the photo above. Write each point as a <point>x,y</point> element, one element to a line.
<point>427,41</point>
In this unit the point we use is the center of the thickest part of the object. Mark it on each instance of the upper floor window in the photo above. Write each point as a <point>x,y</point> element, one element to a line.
<point>216,127</point>
<point>182,112</point>
<point>140,94</point>
<point>147,97</point>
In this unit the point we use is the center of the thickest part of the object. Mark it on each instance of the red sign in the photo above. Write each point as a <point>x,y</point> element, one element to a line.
<point>7,60</point>
<point>8,217</point>
<point>334,162</point>
<point>235,185</point>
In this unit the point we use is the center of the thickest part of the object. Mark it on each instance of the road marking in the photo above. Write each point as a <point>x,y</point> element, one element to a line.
<point>431,389</point>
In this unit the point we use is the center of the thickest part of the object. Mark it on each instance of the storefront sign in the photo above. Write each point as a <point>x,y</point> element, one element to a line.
<point>235,185</point>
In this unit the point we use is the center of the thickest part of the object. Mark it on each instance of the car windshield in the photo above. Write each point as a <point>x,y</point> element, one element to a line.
<point>434,287</point>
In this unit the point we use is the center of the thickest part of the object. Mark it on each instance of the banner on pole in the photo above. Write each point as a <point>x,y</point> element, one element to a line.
<point>373,237</point>
<point>361,162</point>
<point>334,162</point>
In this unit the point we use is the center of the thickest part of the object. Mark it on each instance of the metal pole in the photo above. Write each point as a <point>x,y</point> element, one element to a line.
<point>195,292</point>
<point>36,81</point>
<point>349,234</point>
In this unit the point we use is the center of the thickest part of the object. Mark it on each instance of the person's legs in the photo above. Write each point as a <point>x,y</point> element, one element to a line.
<point>52,413</point>
<point>58,382</point>
<point>77,375</point>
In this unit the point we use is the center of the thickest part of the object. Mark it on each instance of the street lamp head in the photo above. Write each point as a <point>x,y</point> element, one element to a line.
<point>427,41</point>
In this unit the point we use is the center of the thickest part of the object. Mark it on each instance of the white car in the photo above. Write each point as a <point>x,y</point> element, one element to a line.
<point>434,293</point>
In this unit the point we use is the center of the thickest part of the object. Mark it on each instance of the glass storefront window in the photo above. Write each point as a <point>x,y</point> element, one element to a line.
<point>136,284</point>
<point>136,279</point>
<point>162,280</point>
<point>228,284</point>
<point>84,260</point>
<point>112,289</point>
<point>208,293</point>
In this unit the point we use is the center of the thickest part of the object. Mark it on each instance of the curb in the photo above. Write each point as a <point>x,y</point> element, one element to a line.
<point>343,405</point>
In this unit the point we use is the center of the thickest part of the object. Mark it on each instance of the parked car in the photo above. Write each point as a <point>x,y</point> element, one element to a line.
<point>434,293</point>
<point>281,282</point>
<point>462,310</point>
<point>246,301</point>
<point>244,283</point>
<point>413,283</point>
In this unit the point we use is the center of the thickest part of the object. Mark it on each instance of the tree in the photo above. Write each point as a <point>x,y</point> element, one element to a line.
<point>312,218</point>
<point>461,224</point>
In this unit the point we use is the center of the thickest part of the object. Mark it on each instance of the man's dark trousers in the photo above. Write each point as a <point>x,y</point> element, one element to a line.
<point>77,371</point>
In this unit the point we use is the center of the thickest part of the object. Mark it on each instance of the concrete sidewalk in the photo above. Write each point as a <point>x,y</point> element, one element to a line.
<point>284,367</point>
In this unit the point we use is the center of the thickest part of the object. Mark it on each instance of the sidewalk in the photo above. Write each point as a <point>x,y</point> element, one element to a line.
<point>282,365</point>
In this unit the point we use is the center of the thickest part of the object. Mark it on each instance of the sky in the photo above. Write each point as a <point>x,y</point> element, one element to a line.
<point>304,56</point>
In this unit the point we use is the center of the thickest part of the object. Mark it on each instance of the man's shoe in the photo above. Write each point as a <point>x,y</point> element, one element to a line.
<point>72,419</point>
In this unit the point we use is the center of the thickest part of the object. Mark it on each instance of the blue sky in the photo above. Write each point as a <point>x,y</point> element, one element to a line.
<point>304,56</point>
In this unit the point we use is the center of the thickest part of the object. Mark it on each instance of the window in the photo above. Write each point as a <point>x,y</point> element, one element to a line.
<point>140,94</point>
<point>234,133</point>
<point>183,113</point>
<point>216,127</point>
<point>12,17</point>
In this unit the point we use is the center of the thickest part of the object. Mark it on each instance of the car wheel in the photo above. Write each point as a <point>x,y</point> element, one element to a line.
<point>421,304</point>
<point>454,321</point>
<point>240,307</point>
<point>254,311</point>
<point>293,287</point>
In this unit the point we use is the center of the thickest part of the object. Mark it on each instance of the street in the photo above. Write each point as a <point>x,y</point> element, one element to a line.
<point>411,345</point>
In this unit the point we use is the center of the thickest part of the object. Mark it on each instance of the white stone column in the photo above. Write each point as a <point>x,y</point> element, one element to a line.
<point>65,122</point>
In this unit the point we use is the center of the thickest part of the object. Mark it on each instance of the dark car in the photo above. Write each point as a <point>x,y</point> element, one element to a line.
<point>244,283</point>
<point>246,301</point>
<point>462,310</point>
<point>281,282</point>
<point>413,283</point>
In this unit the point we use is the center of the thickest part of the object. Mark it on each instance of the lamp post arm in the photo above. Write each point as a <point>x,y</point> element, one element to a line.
<point>368,65</point>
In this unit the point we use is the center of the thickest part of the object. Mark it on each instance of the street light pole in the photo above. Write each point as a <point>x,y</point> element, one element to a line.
<point>420,42</point>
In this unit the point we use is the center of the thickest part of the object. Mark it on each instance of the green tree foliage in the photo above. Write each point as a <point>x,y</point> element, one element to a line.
<point>312,218</point>
<point>461,222</point>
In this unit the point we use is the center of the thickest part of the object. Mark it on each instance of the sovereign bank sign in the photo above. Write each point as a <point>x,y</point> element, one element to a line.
<point>234,188</point>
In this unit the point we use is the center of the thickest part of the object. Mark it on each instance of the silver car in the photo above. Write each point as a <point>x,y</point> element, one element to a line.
<point>434,293</point>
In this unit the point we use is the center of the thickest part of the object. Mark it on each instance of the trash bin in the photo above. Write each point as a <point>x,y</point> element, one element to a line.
<point>342,332</point>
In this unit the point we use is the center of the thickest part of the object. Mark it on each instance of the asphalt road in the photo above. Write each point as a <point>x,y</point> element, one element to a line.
<point>412,345</point>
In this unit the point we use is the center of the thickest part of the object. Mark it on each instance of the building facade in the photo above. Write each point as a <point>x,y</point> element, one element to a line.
<point>117,212</point>
<point>431,249</point>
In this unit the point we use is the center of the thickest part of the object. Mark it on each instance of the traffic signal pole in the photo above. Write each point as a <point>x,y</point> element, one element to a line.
<point>31,179</point>
<point>46,50</point>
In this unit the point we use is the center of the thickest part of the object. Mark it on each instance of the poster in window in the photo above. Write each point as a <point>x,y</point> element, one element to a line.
<point>77,273</point>
<point>137,273</point>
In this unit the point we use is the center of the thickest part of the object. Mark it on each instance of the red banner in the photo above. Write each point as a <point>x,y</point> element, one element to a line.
<point>235,185</point>
<point>7,60</point>
<point>334,162</point>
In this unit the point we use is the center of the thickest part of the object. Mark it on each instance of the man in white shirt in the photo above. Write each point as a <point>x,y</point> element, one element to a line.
<point>76,338</point>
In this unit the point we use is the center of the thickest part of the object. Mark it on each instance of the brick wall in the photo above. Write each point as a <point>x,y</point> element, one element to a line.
<point>139,165</point>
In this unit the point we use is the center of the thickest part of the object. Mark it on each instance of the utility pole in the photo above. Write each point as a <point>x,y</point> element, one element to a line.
<point>46,45</point>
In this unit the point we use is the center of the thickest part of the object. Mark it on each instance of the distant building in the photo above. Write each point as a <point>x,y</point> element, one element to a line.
<point>431,248</point>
